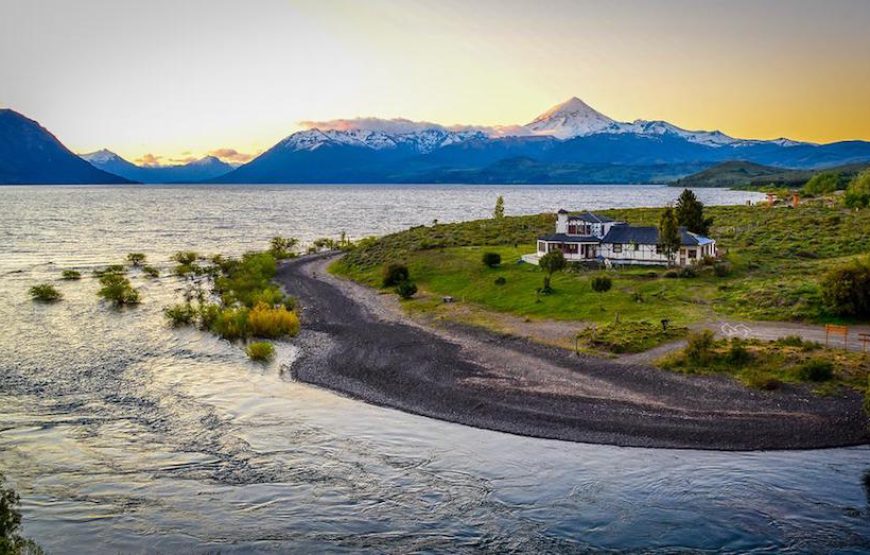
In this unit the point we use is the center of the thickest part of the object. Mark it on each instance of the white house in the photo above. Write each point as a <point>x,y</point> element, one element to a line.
<point>588,237</point>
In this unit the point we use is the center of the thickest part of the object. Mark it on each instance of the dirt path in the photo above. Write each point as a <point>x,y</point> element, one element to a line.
<point>359,343</point>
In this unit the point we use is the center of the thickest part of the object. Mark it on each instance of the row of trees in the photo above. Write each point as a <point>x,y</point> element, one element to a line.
<point>857,189</point>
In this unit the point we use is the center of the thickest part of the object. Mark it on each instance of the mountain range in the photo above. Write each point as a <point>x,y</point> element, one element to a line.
<point>203,169</point>
<point>569,143</point>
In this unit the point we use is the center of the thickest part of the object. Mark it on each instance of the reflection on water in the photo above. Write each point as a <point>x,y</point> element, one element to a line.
<point>124,435</point>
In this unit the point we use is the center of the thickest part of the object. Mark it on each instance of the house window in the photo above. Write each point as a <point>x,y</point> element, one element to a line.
<point>617,248</point>
<point>572,229</point>
<point>693,253</point>
<point>542,246</point>
<point>659,249</point>
<point>636,247</point>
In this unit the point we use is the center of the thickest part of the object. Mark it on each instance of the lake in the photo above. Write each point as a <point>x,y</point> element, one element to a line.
<point>124,435</point>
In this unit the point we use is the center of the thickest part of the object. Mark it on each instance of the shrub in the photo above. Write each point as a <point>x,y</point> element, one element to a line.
<point>797,341</point>
<point>722,269</point>
<point>688,272</point>
<point>116,269</point>
<point>272,322</point>
<point>184,270</point>
<point>491,259</point>
<point>738,354</point>
<point>406,289</point>
<point>601,284</point>
<point>180,314</point>
<point>699,349</point>
<point>282,247</point>
<point>45,293</point>
<point>500,280</point>
<point>71,275</point>
<point>184,257</point>
<point>672,274</point>
<point>117,289</point>
<point>230,323</point>
<point>764,381</point>
<point>151,271</point>
<point>136,258</point>
<point>261,351</point>
<point>11,541</point>
<point>858,192</point>
<point>394,274</point>
<point>846,289</point>
<point>816,370</point>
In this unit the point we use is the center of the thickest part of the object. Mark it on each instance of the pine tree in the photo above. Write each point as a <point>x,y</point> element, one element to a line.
<point>669,234</point>
<point>690,213</point>
<point>499,208</point>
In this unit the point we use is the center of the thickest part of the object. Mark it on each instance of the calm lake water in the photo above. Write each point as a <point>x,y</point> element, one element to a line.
<point>123,435</point>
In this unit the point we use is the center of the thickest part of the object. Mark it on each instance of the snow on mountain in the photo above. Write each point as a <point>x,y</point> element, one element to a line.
<point>422,137</point>
<point>572,118</point>
<point>102,156</point>
<point>658,127</point>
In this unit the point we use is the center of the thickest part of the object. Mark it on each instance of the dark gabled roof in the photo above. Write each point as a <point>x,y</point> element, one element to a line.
<point>591,218</point>
<point>649,235</point>
<point>565,238</point>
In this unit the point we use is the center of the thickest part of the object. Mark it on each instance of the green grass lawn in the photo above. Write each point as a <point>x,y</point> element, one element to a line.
<point>459,272</point>
<point>778,256</point>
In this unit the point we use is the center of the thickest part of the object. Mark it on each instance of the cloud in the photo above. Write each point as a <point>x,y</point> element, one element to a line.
<point>149,160</point>
<point>231,155</point>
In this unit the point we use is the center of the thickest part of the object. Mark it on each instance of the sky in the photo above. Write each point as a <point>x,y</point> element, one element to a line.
<point>161,81</point>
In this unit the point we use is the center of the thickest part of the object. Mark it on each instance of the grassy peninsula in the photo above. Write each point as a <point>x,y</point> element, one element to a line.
<point>776,259</point>
<point>778,262</point>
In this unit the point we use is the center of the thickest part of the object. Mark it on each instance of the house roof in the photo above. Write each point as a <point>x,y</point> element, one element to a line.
<point>649,235</point>
<point>591,218</point>
<point>565,238</point>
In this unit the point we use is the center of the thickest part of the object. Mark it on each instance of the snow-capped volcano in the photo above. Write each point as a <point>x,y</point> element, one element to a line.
<point>572,118</point>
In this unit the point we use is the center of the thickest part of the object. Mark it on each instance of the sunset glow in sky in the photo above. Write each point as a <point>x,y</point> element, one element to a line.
<point>181,79</point>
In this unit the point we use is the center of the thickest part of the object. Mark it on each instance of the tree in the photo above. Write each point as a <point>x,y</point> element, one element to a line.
<point>551,263</point>
<point>690,213</point>
<point>858,192</point>
<point>669,234</point>
<point>498,213</point>
<point>821,183</point>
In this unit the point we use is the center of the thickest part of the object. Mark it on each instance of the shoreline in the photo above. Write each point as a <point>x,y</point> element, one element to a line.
<point>357,342</point>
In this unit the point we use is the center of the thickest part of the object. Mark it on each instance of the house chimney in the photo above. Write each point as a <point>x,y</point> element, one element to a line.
<point>562,221</point>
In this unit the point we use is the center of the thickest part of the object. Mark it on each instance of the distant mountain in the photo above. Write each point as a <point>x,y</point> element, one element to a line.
<point>738,172</point>
<point>30,154</point>
<point>570,143</point>
<point>203,169</point>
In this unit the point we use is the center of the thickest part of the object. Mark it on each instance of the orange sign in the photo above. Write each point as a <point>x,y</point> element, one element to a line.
<point>832,329</point>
